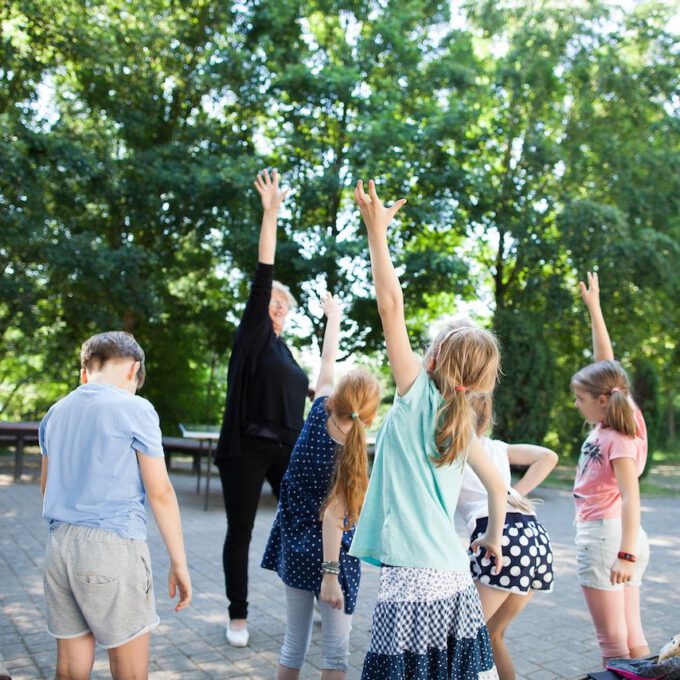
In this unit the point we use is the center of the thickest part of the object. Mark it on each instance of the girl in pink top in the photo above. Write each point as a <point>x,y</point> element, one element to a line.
<point>612,547</point>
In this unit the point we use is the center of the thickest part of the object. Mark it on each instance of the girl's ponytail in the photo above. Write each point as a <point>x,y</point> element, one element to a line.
<point>620,415</point>
<point>351,472</point>
<point>609,378</point>
<point>457,426</point>
<point>463,362</point>
<point>357,396</point>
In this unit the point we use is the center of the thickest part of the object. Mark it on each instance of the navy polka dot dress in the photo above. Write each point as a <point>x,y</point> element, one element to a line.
<point>294,549</point>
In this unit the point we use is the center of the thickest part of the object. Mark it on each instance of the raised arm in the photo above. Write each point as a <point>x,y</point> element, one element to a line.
<point>540,461</point>
<point>329,351</point>
<point>602,346</point>
<point>404,363</point>
<point>256,312</point>
<point>268,188</point>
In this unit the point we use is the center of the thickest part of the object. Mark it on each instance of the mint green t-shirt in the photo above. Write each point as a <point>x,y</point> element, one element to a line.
<point>407,517</point>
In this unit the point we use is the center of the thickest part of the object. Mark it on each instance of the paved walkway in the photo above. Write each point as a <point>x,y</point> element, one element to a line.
<point>553,638</point>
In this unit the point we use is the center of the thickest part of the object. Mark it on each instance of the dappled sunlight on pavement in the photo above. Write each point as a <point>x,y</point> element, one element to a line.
<point>553,638</point>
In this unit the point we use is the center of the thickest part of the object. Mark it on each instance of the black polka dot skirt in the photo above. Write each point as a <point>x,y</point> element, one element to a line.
<point>527,556</point>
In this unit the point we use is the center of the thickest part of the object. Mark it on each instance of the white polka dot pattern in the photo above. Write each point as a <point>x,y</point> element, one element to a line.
<point>527,557</point>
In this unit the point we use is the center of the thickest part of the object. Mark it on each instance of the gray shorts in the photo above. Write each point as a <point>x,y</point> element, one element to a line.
<point>98,582</point>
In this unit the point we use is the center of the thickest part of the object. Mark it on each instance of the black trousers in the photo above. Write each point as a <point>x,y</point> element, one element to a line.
<point>242,478</point>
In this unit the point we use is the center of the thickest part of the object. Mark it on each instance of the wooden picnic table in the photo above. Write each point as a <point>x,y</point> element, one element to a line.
<point>17,435</point>
<point>202,434</point>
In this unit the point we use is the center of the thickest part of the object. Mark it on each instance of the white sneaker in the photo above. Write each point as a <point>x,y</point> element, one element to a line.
<point>237,638</point>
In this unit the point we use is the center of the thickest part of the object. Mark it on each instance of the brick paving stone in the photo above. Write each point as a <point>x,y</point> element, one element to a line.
<point>552,638</point>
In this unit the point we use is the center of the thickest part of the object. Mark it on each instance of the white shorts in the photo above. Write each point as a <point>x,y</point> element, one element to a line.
<point>597,545</point>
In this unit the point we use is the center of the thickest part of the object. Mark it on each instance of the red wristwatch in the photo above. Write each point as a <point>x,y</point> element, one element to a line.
<point>629,557</point>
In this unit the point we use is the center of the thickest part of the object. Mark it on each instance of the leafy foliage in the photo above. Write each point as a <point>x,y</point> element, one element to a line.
<point>533,143</point>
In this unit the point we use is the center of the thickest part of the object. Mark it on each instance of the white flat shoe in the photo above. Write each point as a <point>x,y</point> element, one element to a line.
<point>237,638</point>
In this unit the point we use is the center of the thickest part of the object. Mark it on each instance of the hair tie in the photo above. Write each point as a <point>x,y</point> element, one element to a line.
<point>460,388</point>
<point>355,415</point>
<point>615,389</point>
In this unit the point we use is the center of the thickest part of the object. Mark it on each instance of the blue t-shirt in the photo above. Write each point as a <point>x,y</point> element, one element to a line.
<point>295,549</point>
<point>407,517</point>
<point>90,438</point>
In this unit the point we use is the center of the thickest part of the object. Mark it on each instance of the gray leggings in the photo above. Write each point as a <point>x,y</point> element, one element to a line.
<point>335,629</point>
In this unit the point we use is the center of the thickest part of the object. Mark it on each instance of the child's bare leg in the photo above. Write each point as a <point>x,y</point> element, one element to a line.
<point>131,660</point>
<point>285,673</point>
<point>75,658</point>
<point>327,674</point>
<point>497,626</point>
<point>492,599</point>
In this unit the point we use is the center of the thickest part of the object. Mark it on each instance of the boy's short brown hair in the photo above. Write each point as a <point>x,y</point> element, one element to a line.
<point>98,349</point>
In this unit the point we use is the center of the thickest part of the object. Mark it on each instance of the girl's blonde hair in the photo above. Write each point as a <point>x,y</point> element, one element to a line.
<point>463,361</point>
<point>482,405</point>
<point>610,378</point>
<point>357,396</point>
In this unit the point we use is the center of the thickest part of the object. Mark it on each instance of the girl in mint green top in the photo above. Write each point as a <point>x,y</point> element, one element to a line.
<point>428,621</point>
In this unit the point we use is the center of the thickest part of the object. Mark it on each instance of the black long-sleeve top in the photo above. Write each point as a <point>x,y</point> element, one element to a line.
<point>266,389</point>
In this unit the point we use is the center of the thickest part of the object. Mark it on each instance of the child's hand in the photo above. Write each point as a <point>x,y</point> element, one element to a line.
<point>179,578</point>
<point>268,188</point>
<point>331,593</point>
<point>492,550</point>
<point>591,294</point>
<point>376,215</point>
<point>622,571</point>
<point>331,306</point>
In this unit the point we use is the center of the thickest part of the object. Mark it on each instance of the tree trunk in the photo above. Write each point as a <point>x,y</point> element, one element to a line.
<point>670,419</point>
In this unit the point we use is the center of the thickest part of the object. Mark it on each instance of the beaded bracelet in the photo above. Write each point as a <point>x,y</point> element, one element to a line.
<point>330,567</point>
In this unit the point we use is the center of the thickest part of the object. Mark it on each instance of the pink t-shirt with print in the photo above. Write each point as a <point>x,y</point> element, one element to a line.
<point>596,492</point>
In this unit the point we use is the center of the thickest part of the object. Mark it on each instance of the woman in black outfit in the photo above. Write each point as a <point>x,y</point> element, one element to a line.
<point>264,413</point>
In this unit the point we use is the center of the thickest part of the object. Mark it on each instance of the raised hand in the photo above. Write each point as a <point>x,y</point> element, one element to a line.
<point>376,216</point>
<point>268,188</point>
<point>331,306</point>
<point>591,293</point>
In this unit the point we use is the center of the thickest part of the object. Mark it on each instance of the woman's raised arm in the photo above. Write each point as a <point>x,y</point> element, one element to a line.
<point>268,188</point>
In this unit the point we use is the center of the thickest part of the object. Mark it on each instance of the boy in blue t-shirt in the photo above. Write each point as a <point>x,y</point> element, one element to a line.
<point>102,455</point>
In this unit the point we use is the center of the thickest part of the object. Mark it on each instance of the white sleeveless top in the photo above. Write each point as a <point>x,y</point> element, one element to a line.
<point>473,501</point>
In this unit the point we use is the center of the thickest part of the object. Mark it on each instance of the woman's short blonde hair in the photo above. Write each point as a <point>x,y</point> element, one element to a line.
<point>282,288</point>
